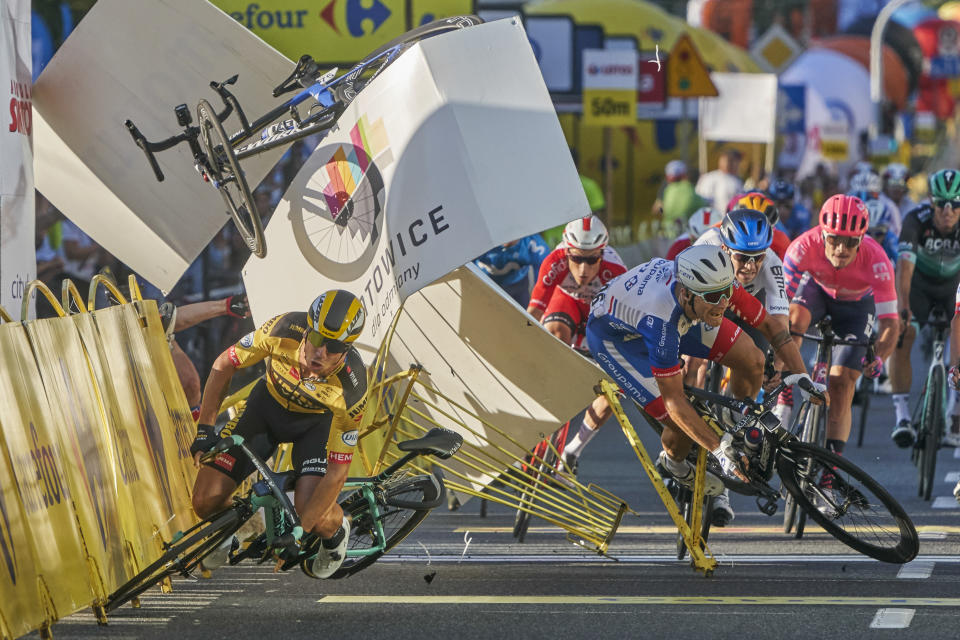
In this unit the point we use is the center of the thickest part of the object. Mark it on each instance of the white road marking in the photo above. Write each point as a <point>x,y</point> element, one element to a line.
<point>956,453</point>
<point>892,618</point>
<point>644,559</point>
<point>945,502</point>
<point>916,570</point>
<point>953,477</point>
<point>932,535</point>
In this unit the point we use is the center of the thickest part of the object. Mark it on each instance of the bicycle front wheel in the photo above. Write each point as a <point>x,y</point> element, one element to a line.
<point>230,180</point>
<point>181,556</point>
<point>814,431</point>
<point>854,508</point>
<point>685,504</point>
<point>930,430</point>
<point>397,515</point>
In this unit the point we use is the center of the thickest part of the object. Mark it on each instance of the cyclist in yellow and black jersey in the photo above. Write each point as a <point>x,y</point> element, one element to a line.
<point>313,395</point>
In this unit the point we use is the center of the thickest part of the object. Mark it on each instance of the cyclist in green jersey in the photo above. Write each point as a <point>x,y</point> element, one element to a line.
<point>928,271</point>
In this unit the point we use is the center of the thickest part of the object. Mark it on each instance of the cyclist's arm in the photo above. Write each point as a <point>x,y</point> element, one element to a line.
<point>888,331</point>
<point>552,271</point>
<point>683,413</point>
<point>218,384</point>
<point>955,333</point>
<point>189,315</point>
<point>905,269</point>
<point>776,329</point>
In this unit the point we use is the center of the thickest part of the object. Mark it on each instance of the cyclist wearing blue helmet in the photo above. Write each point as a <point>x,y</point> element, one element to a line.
<point>745,235</point>
<point>794,217</point>
<point>881,223</point>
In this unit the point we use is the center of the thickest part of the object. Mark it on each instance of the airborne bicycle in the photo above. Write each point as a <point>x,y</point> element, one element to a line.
<point>320,99</point>
<point>384,509</point>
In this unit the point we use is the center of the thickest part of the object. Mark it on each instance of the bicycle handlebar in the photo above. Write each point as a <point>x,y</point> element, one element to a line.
<point>147,147</point>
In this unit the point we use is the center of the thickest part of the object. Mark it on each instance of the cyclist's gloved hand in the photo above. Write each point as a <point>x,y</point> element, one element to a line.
<point>733,462</point>
<point>205,439</point>
<point>795,378</point>
<point>955,377</point>
<point>873,368</point>
<point>237,306</point>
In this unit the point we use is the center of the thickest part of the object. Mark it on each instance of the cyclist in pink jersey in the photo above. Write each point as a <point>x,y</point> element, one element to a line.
<point>836,270</point>
<point>569,279</point>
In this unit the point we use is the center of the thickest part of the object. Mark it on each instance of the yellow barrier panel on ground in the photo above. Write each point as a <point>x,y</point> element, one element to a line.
<point>21,609</point>
<point>163,503</point>
<point>39,461</point>
<point>95,470</point>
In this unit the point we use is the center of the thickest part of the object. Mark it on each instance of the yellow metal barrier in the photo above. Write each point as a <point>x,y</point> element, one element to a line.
<point>700,555</point>
<point>94,453</point>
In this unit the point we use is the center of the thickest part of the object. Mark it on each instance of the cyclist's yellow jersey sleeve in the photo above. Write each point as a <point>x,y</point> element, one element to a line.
<point>343,393</point>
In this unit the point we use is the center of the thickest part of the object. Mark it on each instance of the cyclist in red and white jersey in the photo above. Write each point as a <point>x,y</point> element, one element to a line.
<point>700,220</point>
<point>837,270</point>
<point>569,278</point>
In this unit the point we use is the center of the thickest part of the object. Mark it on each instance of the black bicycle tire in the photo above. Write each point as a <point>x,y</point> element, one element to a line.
<point>686,510</point>
<point>346,91</point>
<point>908,545</point>
<point>209,532</point>
<point>930,429</point>
<point>353,565</point>
<point>815,434</point>
<point>250,230</point>
<point>522,519</point>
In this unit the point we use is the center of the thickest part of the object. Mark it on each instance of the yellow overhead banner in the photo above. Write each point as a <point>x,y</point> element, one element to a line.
<point>337,32</point>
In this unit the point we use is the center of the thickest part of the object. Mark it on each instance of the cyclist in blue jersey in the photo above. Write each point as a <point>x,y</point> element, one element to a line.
<point>881,220</point>
<point>643,320</point>
<point>514,265</point>
<point>794,217</point>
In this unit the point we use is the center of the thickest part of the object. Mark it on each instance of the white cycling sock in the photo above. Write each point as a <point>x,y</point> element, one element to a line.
<point>901,404</point>
<point>578,442</point>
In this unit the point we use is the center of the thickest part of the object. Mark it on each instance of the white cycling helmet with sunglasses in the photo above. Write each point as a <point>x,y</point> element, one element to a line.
<point>703,268</point>
<point>585,234</point>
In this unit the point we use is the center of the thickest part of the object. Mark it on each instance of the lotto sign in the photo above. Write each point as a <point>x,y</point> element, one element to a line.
<point>609,87</point>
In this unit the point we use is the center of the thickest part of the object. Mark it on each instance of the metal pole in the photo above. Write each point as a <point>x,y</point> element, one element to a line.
<point>876,63</point>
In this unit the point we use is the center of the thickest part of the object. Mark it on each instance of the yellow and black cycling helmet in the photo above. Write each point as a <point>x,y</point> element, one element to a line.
<point>336,316</point>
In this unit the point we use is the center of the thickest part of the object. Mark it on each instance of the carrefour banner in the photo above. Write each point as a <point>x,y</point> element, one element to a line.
<point>454,149</point>
<point>336,31</point>
<point>18,264</point>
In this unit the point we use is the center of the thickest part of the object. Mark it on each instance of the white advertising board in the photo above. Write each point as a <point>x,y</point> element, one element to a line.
<point>137,59</point>
<point>610,69</point>
<point>480,350</point>
<point>454,149</point>
<point>552,40</point>
<point>18,257</point>
<point>731,118</point>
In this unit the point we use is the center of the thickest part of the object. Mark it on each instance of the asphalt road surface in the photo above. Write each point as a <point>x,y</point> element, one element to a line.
<point>463,576</point>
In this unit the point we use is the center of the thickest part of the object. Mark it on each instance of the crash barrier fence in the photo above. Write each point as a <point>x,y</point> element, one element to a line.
<point>95,467</point>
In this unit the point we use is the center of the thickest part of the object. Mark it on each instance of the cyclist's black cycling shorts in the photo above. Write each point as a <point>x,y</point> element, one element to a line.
<point>926,295</point>
<point>851,319</point>
<point>264,424</point>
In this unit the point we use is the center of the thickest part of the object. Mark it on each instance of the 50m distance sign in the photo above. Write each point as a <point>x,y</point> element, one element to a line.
<point>609,87</point>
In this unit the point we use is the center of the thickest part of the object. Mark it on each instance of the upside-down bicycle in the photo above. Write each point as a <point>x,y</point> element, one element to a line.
<point>217,155</point>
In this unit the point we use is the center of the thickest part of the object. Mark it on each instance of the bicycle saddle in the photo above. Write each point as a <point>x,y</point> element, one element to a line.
<point>442,443</point>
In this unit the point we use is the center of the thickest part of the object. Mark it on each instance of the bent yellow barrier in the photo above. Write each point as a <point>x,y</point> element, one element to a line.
<point>93,454</point>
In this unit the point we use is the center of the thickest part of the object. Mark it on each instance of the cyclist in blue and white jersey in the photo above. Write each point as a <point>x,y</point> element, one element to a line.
<point>794,216</point>
<point>643,320</point>
<point>514,265</point>
<point>881,219</point>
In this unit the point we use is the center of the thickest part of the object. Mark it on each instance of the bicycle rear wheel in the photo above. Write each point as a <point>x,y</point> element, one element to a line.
<point>230,180</point>
<point>182,555</point>
<point>930,430</point>
<point>857,510</point>
<point>399,516</point>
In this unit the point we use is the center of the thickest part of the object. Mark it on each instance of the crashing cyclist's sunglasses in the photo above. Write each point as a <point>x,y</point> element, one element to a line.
<point>333,346</point>
<point>584,259</point>
<point>747,257</point>
<point>716,297</point>
<point>942,203</point>
<point>851,242</point>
